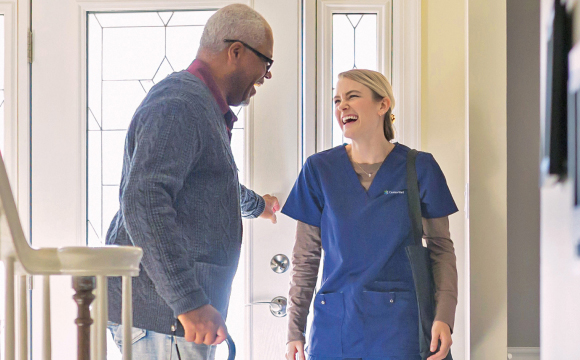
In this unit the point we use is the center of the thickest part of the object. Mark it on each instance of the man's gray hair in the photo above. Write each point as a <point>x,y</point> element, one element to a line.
<point>234,22</point>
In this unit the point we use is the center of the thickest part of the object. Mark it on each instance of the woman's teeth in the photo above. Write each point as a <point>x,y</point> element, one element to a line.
<point>349,118</point>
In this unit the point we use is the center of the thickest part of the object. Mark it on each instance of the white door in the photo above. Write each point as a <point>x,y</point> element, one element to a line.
<point>78,107</point>
<point>270,143</point>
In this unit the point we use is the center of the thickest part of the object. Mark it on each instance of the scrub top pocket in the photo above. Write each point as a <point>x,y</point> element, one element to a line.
<point>390,323</point>
<point>326,332</point>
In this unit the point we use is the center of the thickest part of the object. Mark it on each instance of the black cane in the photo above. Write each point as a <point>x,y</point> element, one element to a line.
<point>231,347</point>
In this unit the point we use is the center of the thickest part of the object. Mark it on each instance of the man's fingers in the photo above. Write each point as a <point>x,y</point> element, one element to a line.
<point>222,334</point>
<point>276,206</point>
<point>274,219</point>
<point>189,335</point>
<point>199,337</point>
<point>209,338</point>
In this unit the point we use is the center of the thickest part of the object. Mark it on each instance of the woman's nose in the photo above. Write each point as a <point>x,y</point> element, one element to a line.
<point>343,105</point>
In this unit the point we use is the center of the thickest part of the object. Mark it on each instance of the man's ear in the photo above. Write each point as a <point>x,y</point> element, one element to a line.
<point>234,52</point>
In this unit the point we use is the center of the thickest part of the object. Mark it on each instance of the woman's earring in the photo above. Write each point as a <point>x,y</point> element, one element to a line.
<point>392,117</point>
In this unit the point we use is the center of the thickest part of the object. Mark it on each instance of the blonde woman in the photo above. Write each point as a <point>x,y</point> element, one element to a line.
<point>351,201</point>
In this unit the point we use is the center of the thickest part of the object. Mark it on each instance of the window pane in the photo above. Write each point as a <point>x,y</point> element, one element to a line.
<point>126,54</point>
<point>94,182</point>
<point>120,100</point>
<point>342,46</point>
<point>354,46</point>
<point>124,19</point>
<point>366,43</point>
<point>190,18</point>
<point>95,43</point>
<point>112,151</point>
<point>182,45</point>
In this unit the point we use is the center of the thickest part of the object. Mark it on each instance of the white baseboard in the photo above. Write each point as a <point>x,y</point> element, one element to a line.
<point>523,353</point>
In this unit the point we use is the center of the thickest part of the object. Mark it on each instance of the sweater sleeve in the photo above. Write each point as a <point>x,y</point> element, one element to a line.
<point>305,263</point>
<point>167,145</point>
<point>252,205</point>
<point>436,232</point>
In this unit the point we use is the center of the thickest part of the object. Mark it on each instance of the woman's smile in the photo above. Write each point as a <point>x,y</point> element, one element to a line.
<point>349,118</point>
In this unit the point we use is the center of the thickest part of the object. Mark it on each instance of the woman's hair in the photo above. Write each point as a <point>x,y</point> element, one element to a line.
<point>381,89</point>
<point>234,22</point>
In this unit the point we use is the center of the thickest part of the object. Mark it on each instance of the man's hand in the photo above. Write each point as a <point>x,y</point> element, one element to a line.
<point>272,205</point>
<point>293,348</point>
<point>440,331</point>
<point>204,325</point>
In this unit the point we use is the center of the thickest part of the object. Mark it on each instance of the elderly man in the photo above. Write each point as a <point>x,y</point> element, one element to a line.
<point>180,196</point>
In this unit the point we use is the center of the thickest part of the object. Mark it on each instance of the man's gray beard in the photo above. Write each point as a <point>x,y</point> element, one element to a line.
<point>246,102</point>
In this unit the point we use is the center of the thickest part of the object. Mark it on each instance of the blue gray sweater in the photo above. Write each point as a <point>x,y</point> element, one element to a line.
<point>182,203</point>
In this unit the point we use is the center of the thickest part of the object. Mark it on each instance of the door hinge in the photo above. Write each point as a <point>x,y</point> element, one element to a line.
<point>30,282</point>
<point>30,46</point>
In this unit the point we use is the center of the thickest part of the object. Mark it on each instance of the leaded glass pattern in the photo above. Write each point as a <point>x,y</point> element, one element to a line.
<point>354,46</point>
<point>128,53</point>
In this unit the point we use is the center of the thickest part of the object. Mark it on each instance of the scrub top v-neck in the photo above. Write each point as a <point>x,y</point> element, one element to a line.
<point>366,305</point>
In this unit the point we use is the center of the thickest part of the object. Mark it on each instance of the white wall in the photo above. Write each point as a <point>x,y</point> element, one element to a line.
<point>464,126</point>
<point>443,127</point>
<point>487,177</point>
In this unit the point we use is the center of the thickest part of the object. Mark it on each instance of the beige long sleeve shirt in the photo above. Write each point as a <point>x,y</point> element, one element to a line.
<point>307,254</point>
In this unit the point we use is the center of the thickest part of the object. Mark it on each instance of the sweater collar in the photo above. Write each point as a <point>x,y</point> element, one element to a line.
<point>201,70</point>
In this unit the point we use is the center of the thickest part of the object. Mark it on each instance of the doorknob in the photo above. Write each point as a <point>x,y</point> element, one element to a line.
<point>279,263</point>
<point>277,305</point>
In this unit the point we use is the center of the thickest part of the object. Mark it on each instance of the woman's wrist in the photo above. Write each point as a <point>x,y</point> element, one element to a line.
<point>295,337</point>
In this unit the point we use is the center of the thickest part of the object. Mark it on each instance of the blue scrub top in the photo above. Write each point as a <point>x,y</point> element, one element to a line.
<point>366,306</point>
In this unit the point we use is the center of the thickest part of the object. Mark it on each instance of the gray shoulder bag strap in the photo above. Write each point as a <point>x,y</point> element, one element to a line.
<point>420,262</point>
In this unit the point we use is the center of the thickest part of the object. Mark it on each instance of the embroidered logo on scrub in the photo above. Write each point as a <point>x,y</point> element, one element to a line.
<point>394,192</point>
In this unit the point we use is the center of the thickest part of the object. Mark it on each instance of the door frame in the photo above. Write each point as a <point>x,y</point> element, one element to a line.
<point>17,104</point>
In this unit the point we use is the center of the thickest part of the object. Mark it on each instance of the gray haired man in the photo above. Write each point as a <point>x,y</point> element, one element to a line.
<point>181,200</point>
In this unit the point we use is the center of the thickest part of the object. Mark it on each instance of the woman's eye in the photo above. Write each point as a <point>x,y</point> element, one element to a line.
<point>336,102</point>
<point>350,97</point>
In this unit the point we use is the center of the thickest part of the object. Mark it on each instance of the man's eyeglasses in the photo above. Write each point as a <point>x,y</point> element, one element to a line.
<point>266,59</point>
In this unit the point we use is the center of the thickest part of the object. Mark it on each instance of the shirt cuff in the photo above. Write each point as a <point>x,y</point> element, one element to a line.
<point>296,336</point>
<point>189,302</point>
<point>259,209</point>
<point>445,310</point>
